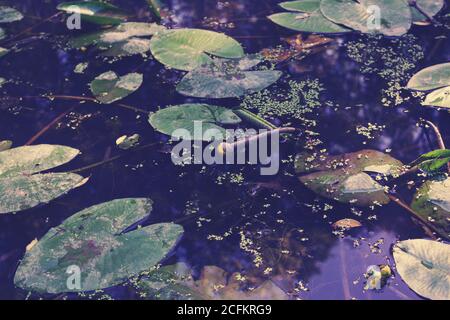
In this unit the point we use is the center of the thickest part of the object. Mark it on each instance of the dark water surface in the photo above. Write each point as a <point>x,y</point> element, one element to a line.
<point>290,225</point>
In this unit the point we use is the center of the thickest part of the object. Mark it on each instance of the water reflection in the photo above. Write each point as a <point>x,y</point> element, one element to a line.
<point>292,241</point>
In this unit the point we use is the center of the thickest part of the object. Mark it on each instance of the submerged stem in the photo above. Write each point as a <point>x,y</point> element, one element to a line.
<point>425,224</point>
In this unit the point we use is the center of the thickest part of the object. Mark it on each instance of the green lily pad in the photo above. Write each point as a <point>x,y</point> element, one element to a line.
<point>432,203</point>
<point>170,119</point>
<point>8,14</point>
<point>109,87</point>
<point>395,15</point>
<point>21,188</point>
<point>306,18</point>
<point>95,242</point>
<point>33,159</point>
<point>188,49</point>
<point>431,78</point>
<point>226,79</point>
<point>2,34</point>
<point>344,178</point>
<point>23,192</point>
<point>425,267</point>
<point>125,39</point>
<point>94,11</point>
<point>438,98</point>
<point>431,7</point>
<point>175,282</point>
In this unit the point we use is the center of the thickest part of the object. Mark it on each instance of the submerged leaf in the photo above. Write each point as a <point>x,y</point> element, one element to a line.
<point>3,51</point>
<point>175,282</point>
<point>93,241</point>
<point>434,77</point>
<point>343,177</point>
<point>172,119</point>
<point>226,79</point>
<point>346,224</point>
<point>425,267</point>
<point>306,18</point>
<point>128,142</point>
<point>432,203</point>
<point>109,87</point>
<point>188,49</point>
<point>94,11</point>
<point>395,15</point>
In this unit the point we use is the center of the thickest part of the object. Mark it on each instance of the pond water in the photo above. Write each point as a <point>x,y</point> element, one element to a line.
<point>262,227</point>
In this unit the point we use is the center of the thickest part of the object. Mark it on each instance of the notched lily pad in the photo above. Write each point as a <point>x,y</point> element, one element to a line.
<point>93,240</point>
<point>188,49</point>
<point>395,15</point>
<point>432,202</point>
<point>226,79</point>
<point>344,178</point>
<point>425,267</point>
<point>21,188</point>
<point>109,87</point>
<point>306,17</point>
<point>173,118</point>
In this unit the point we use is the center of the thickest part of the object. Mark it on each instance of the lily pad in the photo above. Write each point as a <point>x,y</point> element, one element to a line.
<point>109,87</point>
<point>432,203</point>
<point>306,18</point>
<point>438,98</point>
<point>184,116</point>
<point>21,188</point>
<point>431,7</point>
<point>188,49</point>
<point>33,159</point>
<point>23,192</point>
<point>395,15</point>
<point>8,14</point>
<point>431,78</point>
<point>125,39</point>
<point>2,34</point>
<point>175,282</point>
<point>94,241</point>
<point>344,178</point>
<point>425,267</point>
<point>226,79</point>
<point>95,11</point>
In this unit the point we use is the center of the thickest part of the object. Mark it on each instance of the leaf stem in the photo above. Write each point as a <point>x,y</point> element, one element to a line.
<point>48,127</point>
<point>425,224</point>
<point>112,159</point>
<point>255,119</point>
<point>413,3</point>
